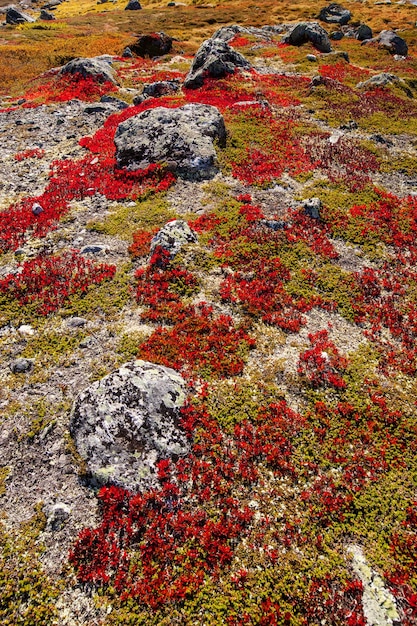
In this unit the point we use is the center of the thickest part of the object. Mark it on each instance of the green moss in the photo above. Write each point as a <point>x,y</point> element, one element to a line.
<point>44,415</point>
<point>129,344</point>
<point>50,347</point>
<point>4,472</point>
<point>149,213</point>
<point>382,123</point>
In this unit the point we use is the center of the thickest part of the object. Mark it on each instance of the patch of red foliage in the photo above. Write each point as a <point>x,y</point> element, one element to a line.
<point>69,87</point>
<point>47,281</point>
<point>29,153</point>
<point>343,72</point>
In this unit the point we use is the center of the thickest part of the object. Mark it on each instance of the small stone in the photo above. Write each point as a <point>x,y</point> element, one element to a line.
<point>76,322</point>
<point>312,207</point>
<point>57,515</point>
<point>21,366</point>
<point>337,35</point>
<point>37,209</point>
<point>127,53</point>
<point>46,16</point>
<point>172,237</point>
<point>26,329</point>
<point>93,249</point>
<point>311,57</point>
<point>133,5</point>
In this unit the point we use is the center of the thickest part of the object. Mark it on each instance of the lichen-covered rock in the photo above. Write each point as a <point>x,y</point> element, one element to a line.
<point>383,80</point>
<point>97,68</point>
<point>214,59</point>
<point>124,423</point>
<point>172,237</point>
<point>15,16</point>
<point>392,42</point>
<point>305,32</point>
<point>161,88</point>
<point>181,138</point>
<point>335,14</point>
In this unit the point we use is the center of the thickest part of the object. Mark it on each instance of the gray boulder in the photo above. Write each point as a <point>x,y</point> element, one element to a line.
<point>46,15</point>
<point>383,80</point>
<point>363,32</point>
<point>392,42</point>
<point>15,16</point>
<point>172,237</point>
<point>160,88</point>
<point>97,68</point>
<point>214,59</point>
<point>133,5</point>
<point>181,138</point>
<point>305,32</point>
<point>312,207</point>
<point>21,366</point>
<point>335,14</point>
<point>125,423</point>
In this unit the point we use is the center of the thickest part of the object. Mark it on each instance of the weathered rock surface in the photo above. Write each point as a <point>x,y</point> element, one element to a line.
<point>172,237</point>
<point>182,138</point>
<point>160,88</point>
<point>214,59</point>
<point>153,45</point>
<point>363,32</point>
<point>383,80</point>
<point>335,14</point>
<point>15,16</point>
<point>392,42</point>
<point>97,68</point>
<point>123,424</point>
<point>133,5</point>
<point>46,15</point>
<point>308,32</point>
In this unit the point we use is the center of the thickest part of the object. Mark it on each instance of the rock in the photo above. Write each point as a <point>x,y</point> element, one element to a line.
<point>14,16</point>
<point>160,88</point>
<point>172,237</point>
<point>311,57</point>
<point>363,32</point>
<point>93,249</point>
<point>182,138</point>
<point>335,14</point>
<point>119,104</point>
<point>133,5</point>
<point>337,35</point>
<point>46,16</point>
<point>76,322</point>
<point>124,423</point>
<point>226,33</point>
<point>389,40</point>
<point>312,207</point>
<point>153,45</point>
<point>138,99</point>
<point>21,366</point>
<point>273,224</point>
<point>37,209</point>
<point>56,515</point>
<point>339,54</point>
<point>127,53</point>
<point>26,329</point>
<point>214,59</point>
<point>308,32</point>
<point>100,107</point>
<point>383,80</point>
<point>350,125</point>
<point>97,68</point>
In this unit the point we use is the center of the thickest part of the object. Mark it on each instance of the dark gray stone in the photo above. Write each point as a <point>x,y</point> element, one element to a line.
<point>15,16</point>
<point>46,16</point>
<point>127,53</point>
<point>181,138</point>
<point>138,99</point>
<point>214,59</point>
<point>153,45</point>
<point>119,104</point>
<point>97,68</point>
<point>335,14</point>
<point>37,209</point>
<point>133,5</point>
<point>160,88</point>
<point>56,515</point>
<point>305,32</point>
<point>312,207</point>
<point>172,237</point>
<point>21,366</point>
<point>383,80</point>
<point>93,249</point>
<point>337,35</point>
<point>125,423</point>
<point>389,40</point>
<point>363,32</point>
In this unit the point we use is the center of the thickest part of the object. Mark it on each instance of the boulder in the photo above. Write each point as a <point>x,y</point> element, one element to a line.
<point>392,42</point>
<point>125,423</point>
<point>153,45</point>
<point>383,80</point>
<point>337,35</point>
<point>15,16</point>
<point>160,88</point>
<point>312,207</point>
<point>181,138</point>
<point>133,5</point>
<point>305,32</point>
<point>335,14</point>
<point>116,102</point>
<point>363,32</point>
<point>46,16</point>
<point>172,237</point>
<point>214,59</point>
<point>97,68</point>
<point>21,366</point>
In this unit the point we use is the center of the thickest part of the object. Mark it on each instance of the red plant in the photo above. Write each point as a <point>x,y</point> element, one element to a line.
<point>30,153</point>
<point>322,364</point>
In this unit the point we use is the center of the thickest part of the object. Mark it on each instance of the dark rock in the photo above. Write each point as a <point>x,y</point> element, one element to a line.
<point>21,366</point>
<point>383,80</point>
<point>56,515</point>
<point>93,249</point>
<point>97,68</point>
<point>337,35</point>
<point>119,104</point>
<point>389,40</point>
<point>133,5</point>
<point>125,423</point>
<point>316,81</point>
<point>363,32</point>
<point>153,45</point>
<point>274,224</point>
<point>226,33</point>
<point>335,14</point>
<point>311,57</point>
<point>182,138</point>
<point>100,107</point>
<point>37,209</point>
<point>305,32</point>
<point>160,88</point>
<point>350,125</point>
<point>127,53</point>
<point>14,16</point>
<point>312,207</point>
<point>172,237</point>
<point>214,59</point>
<point>380,139</point>
<point>138,99</point>
<point>46,16</point>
